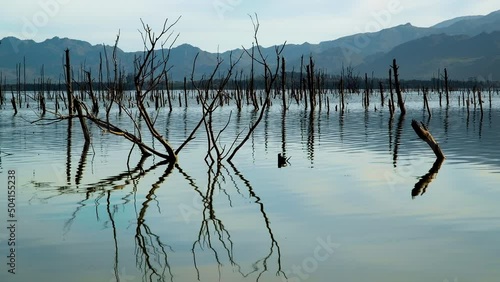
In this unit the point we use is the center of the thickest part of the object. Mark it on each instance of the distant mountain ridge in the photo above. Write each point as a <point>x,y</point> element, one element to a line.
<point>447,23</point>
<point>468,46</point>
<point>465,57</point>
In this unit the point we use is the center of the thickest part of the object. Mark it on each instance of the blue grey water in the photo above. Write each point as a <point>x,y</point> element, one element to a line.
<point>344,209</point>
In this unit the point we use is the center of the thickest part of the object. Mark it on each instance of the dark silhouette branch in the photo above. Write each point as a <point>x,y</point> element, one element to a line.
<point>270,77</point>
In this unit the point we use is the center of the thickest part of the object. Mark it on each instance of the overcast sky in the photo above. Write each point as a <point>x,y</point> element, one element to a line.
<point>223,24</point>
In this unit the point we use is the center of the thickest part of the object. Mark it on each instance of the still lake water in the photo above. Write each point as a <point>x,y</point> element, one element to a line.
<point>344,209</point>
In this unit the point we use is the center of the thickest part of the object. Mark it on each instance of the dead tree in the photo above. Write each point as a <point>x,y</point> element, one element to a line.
<point>381,87</point>
<point>401,102</point>
<point>252,81</point>
<point>366,98</point>
<point>209,102</point>
<point>480,101</point>
<point>150,70</point>
<point>113,85</point>
<point>151,67</point>
<point>69,83</point>
<point>310,83</point>
<point>391,100</point>
<point>425,135</point>
<point>426,101</point>
<point>86,134</point>
<point>341,90</point>
<point>209,105</point>
<point>446,89</point>
<point>270,77</point>
<point>283,83</point>
<point>14,106</point>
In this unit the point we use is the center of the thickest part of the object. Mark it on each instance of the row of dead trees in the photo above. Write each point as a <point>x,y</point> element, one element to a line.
<point>309,88</point>
<point>150,71</point>
<point>151,76</point>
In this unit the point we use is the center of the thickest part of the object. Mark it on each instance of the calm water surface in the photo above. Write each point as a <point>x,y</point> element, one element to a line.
<point>352,205</point>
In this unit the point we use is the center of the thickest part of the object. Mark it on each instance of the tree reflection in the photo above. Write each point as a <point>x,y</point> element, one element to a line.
<point>283,132</point>
<point>210,220</point>
<point>213,232</point>
<point>310,136</point>
<point>82,163</point>
<point>151,252</point>
<point>115,240</point>
<point>397,140</point>
<point>274,243</point>
<point>68,152</point>
<point>425,180</point>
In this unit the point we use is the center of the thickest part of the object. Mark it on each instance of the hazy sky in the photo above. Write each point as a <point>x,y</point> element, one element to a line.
<point>223,24</point>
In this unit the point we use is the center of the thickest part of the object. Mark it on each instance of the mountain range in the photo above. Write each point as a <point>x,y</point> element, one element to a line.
<point>469,47</point>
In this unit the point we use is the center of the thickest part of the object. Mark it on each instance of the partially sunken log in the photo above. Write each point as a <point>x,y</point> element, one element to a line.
<point>425,135</point>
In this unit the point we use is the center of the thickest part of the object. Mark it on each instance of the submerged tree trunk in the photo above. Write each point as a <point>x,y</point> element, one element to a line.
<point>283,82</point>
<point>83,124</point>
<point>401,103</point>
<point>446,90</point>
<point>426,102</point>
<point>69,86</point>
<point>391,101</point>
<point>425,135</point>
<point>14,106</point>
